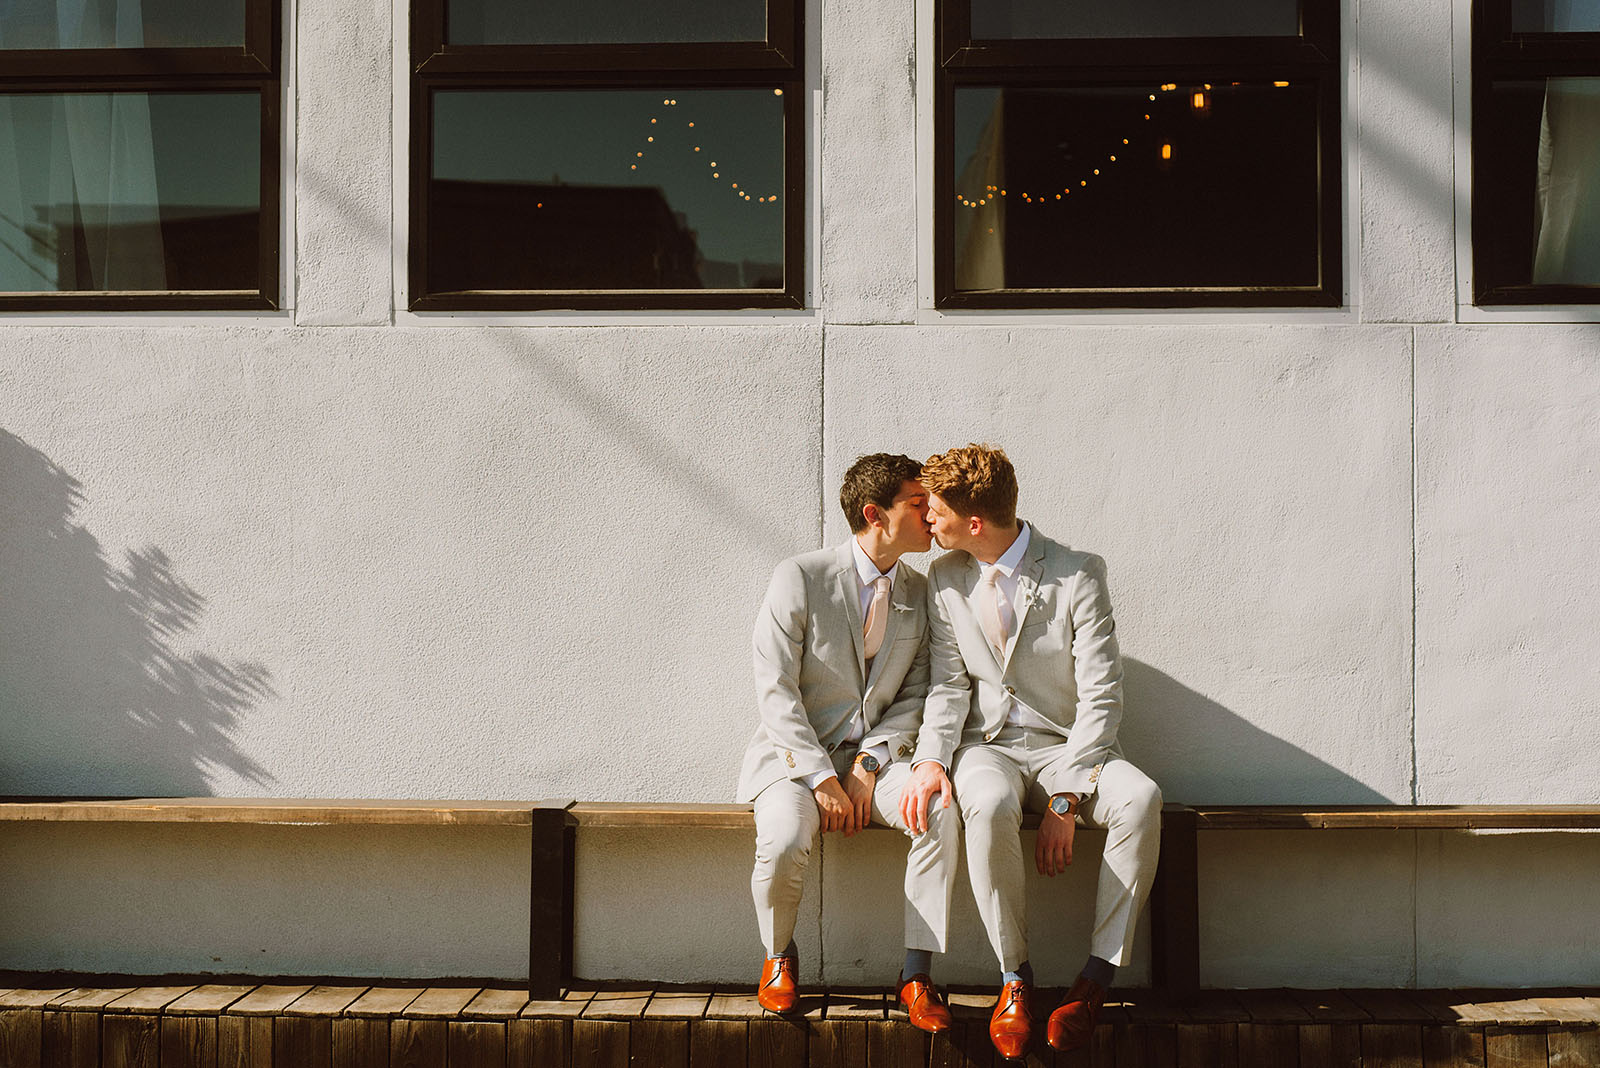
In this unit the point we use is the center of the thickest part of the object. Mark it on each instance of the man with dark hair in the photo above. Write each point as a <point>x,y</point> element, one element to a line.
<point>841,667</point>
<point>1024,701</point>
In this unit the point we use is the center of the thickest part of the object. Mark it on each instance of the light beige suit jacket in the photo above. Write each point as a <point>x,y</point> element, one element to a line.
<point>811,675</point>
<point>1061,658</point>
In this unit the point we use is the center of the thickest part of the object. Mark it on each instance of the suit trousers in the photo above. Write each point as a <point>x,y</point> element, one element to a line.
<point>787,824</point>
<point>1020,768</point>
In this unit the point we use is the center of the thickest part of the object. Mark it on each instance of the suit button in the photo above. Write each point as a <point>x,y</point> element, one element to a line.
<point>1011,689</point>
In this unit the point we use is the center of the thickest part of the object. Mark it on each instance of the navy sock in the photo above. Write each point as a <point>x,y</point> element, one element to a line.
<point>918,962</point>
<point>1024,973</point>
<point>1101,971</point>
<point>790,950</point>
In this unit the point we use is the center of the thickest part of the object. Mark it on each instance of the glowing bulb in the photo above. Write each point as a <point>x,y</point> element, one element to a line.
<point>540,204</point>
<point>1097,170</point>
<point>652,122</point>
<point>1124,140</point>
<point>633,166</point>
<point>1147,118</point>
<point>1058,196</point>
<point>736,185</point>
<point>691,125</point>
<point>1166,151</point>
<point>714,174</point>
<point>777,92</point>
<point>697,148</point>
<point>1281,85</point>
<point>1113,159</point>
<point>713,163</point>
<point>1002,192</point>
<point>649,138</point>
<point>1198,101</point>
<point>639,154</point>
<point>666,101</point>
<point>674,102</point>
<point>1083,183</point>
<point>1152,97</point>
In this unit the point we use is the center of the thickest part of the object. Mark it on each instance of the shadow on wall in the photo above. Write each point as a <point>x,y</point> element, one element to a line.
<point>97,695</point>
<point>1202,753</point>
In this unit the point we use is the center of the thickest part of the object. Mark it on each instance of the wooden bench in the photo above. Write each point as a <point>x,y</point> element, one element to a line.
<point>553,826</point>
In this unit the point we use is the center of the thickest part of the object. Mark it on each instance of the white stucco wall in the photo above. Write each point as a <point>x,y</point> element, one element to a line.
<point>343,551</point>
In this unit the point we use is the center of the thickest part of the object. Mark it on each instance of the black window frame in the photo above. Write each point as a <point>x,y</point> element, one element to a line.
<point>1313,56</point>
<point>1500,54</point>
<point>253,67</point>
<point>776,62</point>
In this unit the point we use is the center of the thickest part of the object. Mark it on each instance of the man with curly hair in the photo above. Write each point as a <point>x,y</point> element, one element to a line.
<point>1024,700</point>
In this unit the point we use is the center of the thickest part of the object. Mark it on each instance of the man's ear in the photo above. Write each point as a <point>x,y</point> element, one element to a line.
<point>871,515</point>
<point>975,525</point>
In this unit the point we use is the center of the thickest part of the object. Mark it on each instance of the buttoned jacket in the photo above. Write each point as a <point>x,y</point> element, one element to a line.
<point>1060,658</point>
<point>811,673</point>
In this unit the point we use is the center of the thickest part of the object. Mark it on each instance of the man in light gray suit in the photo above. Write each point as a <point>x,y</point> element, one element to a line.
<point>1024,701</point>
<point>841,668</point>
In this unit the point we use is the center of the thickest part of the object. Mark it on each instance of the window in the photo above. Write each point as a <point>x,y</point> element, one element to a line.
<point>138,154</point>
<point>606,154</point>
<point>1536,152</point>
<point>1150,153</point>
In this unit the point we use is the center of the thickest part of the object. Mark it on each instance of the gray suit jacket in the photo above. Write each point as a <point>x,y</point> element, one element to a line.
<point>1061,658</point>
<point>811,676</point>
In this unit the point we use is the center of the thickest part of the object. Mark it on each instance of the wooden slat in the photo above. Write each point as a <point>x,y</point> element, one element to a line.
<point>69,1040</point>
<point>1365,817</point>
<point>244,1042</point>
<point>496,1005</point>
<point>599,1044</point>
<point>188,1042</point>
<point>781,1042</point>
<point>1448,1046</point>
<point>21,1037</point>
<point>1129,1042</point>
<point>1486,1008</point>
<point>130,1041</point>
<point>1206,1045</point>
<point>965,1045</point>
<point>735,1004</point>
<point>89,998</point>
<point>718,1044</point>
<point>324,1001</point>
<point>32,999</point>
<point>302,1042</point>
<point>1391,1045</point>
<point>640,814</point>
<point>441,1002</point>
<point>889,1043</point>
<point>147,999</point>
<point>538,1043</point>
<point>359,1042</point>
<point>1392,1006</point>
<point>677,1004</point>
<point>1330,1045</point>
<point>1330,1006</point>
<point>1570,1009</point>
<point>266,810</point>
<point>1102,1046</point>
<point>1272,1006</point>
<point>1269,1044</point>
<point>477,1044</point>
<point>660,1044</point>
<point>417,1043</point>
<point>617,1005</point>
<point>855,1005</point>
<point>569,1007</point>
<point>1147,1008</point>
<point>1219,1006</point>
<point>834,1044</point>
<point>1520,1048</point>
<point>266,1000</point>
<point>1574,1048</point>
<point>383,1001</point>
<point>207,1000</point>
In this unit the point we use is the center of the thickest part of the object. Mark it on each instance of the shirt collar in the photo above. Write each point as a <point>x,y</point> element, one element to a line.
<point>1011,559</point>
<point>866,571</point>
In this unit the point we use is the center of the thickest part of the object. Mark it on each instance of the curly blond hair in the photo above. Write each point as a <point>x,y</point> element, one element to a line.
<point>974,480</point>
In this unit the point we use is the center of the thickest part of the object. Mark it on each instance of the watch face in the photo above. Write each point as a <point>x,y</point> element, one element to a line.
<point>1060,806</point>
<point>869,763</point>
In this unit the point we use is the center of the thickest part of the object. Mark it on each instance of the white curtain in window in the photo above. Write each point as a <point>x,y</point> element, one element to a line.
<point>1567,193</point>
<point>980,233</point>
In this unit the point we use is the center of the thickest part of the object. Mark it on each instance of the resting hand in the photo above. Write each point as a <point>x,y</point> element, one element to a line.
<point>837,815</point>
<point>927,780</point>
<point>1052,851</point>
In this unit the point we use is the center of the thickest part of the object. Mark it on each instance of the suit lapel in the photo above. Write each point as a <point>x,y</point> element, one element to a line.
<point>849,591</point>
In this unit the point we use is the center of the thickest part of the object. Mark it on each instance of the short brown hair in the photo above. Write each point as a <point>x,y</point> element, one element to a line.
<point>974,480</point>
<point>874,479</point>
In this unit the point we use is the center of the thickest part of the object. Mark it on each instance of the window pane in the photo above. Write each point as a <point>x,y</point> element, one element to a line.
<point>121,23</point>
<point>1540,210</point>
<point>493,22</point>
<point>129,191</point>
<point>1136,187</point>
<point>606,189</point>
<point>1555,16</point>
<point>1005,19</point>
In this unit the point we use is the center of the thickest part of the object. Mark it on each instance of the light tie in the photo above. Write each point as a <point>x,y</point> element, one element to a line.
<point>877,617</point>
<point>993,613</point>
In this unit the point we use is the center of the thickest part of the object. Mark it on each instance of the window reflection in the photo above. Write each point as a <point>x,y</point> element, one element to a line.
<point>494,22</point>
<point>1555,16</point>
<point>606,189</point>
<point>50,24</point>
<point>1007,19</point>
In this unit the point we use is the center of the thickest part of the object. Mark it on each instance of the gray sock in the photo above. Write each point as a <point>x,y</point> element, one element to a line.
<point>1023,973</point>
<point>918,962</point>
<point>1101,971</point>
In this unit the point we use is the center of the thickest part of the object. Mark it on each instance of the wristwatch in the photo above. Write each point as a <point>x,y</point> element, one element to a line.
<point>1064,805</point>
<point>868,762</point>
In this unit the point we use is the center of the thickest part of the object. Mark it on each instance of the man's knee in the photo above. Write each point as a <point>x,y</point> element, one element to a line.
<point>785,843</point>
<point>987,802</point>
<point>1141,803</point>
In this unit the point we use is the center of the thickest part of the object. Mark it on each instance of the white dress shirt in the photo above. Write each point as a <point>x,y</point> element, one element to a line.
<point>866,574</point>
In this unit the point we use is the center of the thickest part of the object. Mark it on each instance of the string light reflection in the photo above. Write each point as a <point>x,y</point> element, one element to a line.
<point>713,167</point>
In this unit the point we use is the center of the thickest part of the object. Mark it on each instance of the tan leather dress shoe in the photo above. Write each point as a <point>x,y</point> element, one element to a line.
<point>1011,1027</point>
<point>924,1005</point>
<point>1071,1025</point>
<point>780,984</point>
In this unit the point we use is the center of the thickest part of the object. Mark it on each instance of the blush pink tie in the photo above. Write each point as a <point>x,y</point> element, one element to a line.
<point>992,613</point>
<point>877,617</point>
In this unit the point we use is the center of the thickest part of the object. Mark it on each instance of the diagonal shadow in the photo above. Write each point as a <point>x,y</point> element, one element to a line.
<point>98,694</point>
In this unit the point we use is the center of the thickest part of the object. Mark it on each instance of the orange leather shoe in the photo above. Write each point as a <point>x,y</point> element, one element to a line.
<point>924,1005</point>
<point>1072,1024</point>
<point>780,984</point>
<point>1011,1027</point>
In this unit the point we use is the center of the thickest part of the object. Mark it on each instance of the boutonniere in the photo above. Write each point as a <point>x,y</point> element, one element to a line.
<point>905,608</point>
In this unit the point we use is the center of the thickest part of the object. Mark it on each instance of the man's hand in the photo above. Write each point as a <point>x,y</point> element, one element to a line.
<point>859,788</point>
<point>837,813</point>
<point>927,780</point>
<point>1052,851</point>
